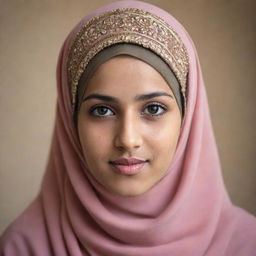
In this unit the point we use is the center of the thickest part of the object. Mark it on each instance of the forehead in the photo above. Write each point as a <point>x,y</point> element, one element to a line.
<point>126,74</point>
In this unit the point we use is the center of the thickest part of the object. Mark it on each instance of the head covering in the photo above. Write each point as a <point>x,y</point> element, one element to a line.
<point>188,212</point>
<point>138,52</point>
<point>127,25</point>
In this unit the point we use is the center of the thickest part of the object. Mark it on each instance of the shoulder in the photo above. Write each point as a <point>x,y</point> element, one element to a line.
<point>25,234</point>
<point>243,239</point>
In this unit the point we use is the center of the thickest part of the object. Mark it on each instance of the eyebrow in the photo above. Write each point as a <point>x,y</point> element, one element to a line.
<point>140,97</point>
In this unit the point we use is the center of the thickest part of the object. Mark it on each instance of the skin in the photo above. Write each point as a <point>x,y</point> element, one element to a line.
<point>128,128</point>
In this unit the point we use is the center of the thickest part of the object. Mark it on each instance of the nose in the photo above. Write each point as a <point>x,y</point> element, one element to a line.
<point>128,135</point>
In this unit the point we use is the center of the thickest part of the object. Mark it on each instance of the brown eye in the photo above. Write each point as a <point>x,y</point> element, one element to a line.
<point>155,109</point>
<point>101,111</point>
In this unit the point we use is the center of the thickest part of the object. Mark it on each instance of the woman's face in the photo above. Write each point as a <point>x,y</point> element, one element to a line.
<point>128,125</point>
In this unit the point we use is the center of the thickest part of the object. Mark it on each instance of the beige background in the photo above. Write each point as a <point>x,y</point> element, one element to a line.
<point>31,33</point>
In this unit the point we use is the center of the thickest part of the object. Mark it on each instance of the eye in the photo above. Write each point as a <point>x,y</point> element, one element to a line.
<point>155,109</point>
<point>101,111</point>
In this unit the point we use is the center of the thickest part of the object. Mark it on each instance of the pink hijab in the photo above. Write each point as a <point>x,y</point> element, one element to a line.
<point>188,212</point>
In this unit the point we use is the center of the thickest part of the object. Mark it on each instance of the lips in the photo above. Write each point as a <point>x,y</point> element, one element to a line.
<point>128,161</point>
<point>128,166</point>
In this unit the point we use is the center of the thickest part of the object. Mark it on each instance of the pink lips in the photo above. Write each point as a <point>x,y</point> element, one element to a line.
<point>128,166</point>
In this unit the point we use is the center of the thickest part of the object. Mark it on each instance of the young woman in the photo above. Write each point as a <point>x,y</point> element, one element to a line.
<point>133,168</point>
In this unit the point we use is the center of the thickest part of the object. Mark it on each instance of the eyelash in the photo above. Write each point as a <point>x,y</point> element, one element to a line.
<point>164,109</point>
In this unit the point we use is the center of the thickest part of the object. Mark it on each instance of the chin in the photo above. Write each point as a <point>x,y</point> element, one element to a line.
<point>129,192</point>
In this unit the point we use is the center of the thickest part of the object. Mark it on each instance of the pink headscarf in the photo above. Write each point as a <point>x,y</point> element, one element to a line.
<point>188,212</point>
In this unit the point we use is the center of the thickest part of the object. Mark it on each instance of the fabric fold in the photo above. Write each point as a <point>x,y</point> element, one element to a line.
<point>188,212</point>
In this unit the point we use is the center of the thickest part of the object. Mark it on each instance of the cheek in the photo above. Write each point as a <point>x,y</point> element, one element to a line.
<point>166,142</point>
<point>165,131</point>
<point>95,140</point>
<point>163,138</point>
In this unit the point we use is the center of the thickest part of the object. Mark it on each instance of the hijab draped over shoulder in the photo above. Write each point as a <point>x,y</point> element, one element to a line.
<point>187,213</point>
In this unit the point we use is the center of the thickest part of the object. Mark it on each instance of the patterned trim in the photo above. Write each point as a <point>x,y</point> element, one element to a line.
<point>128,25</point>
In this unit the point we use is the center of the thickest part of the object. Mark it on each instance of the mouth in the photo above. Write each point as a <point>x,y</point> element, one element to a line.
<point>128,166</point>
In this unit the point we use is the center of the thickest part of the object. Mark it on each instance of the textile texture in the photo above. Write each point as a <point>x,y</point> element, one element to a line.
<point>188,212</point>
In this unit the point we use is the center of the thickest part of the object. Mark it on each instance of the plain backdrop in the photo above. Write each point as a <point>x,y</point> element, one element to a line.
<point>31,34</point>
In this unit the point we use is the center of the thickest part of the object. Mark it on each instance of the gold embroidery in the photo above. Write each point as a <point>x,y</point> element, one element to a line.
<point>128,25</point>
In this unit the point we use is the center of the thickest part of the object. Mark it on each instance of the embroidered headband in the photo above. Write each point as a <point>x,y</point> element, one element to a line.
<point>128,25</point>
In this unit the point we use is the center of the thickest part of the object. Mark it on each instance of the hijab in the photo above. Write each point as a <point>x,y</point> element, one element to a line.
<point>138,52</point>
<point>188,212</point>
